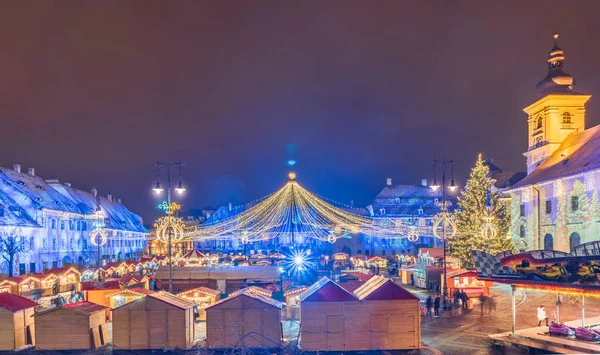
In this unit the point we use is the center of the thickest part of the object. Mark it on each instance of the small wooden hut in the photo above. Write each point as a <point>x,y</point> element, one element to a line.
<point>292,296</point>
<point>75,326</point>
<point>157,321</point>
<point>230,320</point>
<point>19,284</point>
<point>202,297</point>
<point>16,323</point>
<point>126,295</point>
<point>323,311</point>
<point>387,318</point>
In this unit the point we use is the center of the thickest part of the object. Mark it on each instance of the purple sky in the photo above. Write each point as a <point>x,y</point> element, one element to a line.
<point>94,92</point>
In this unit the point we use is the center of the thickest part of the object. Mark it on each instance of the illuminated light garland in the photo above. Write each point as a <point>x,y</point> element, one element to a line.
<point>98,235</point>
<point>413,235</point>
<point>445,221</point>
<point>293,210</point>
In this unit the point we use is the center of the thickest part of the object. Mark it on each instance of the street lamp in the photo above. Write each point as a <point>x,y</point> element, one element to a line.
<point>98,235</point>
<point>444,218</point>
<point>169,224</point>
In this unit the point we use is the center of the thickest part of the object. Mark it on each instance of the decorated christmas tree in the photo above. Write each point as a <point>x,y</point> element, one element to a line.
<point>477,201</point>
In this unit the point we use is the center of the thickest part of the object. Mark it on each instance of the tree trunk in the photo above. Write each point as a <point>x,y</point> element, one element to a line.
<point>11,264</point>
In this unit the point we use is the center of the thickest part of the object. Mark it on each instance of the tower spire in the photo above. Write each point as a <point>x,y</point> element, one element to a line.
<point>557,78</point>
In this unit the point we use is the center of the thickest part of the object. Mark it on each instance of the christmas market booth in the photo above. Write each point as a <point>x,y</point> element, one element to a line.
<point>573,275</point>
<point>158,320</point>
<point>292,296</point>
<point>340,260</point>
<point>377,261</point>
<point>428,271</point>
<point>16,321</point>
<point>236,321</point>
<point>467,281</point>
<point>192,257</point>
<point>378,315</point>
<point>67,279</point>
<point>21,285</point>
<point>126,295</point>
<point>75,326</point>
<point>202,297</point>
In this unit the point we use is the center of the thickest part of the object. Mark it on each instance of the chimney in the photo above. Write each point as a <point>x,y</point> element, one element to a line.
<point>119,200</point>
<point>17,168</point>
<point>424,182</point>
<point>94,192</point>
<point>389,182</point>
<point>109,197</point>
<point>31,171</point>
<point>230,206</point>
<point>68,184</point>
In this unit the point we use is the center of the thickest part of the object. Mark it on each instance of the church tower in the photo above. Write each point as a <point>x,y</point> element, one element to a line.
<point>558,113</point>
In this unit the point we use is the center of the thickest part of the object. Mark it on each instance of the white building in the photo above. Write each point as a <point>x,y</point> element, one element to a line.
<point>55,221</point>
<point>556,207</point>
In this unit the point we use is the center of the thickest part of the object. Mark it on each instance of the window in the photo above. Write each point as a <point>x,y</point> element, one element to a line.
<point>62,225</point>
<point>84,243</point>
<point>366,252</point>
<point>538,141</point>
<point>574,240</point>
<point>31,243</point>
<point>53,223</point>
<point>83,226</point>
<point>566,117</point>
<point>79,243</point>
<point>44,244</point>
<point>574,203</point>
<point>383,253</point>
<point>522,210</point>
<point>539,123</point>
<point>548,206</point>
<point>382,211</point>
<point>71,225</point>
<point>54,244</point>
<point>548,242</point>
<point>393,241</point>
<point>522,232</point>
<point>71,243</point>
<point>78,225</point>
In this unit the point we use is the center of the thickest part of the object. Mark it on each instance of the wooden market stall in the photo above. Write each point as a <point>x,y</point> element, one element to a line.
<point>126,295</point>
<point>159,320</point>
<point>322,312</point>
<point>67,278</point>
<point>388,317</point>
<point>16,321</point>
<point>467,281</point>
<point>377,261</point>
<point>254,289</point>
<point>193,257</point>
<point>201,297</point>
<point>230,320</point>
<point>75,326</point>
<point>96,292</point>
<point>17,285</point>
<point>115,269</point>
<point>292,296</point>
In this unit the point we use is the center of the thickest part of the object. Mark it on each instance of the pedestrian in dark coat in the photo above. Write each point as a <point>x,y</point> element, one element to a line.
<point>465,299</point>
<point>436,305</point>
<point>429,305</point>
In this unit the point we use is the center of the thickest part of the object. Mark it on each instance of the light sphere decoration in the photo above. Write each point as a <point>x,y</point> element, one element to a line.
<point>292,176</point>
<point>245,240</point>
<point>163,224</point>
<point>488,228</point>
<point>331,238</point>
<point>412,236</point>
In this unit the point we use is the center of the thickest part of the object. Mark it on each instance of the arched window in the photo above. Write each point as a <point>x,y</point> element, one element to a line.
<point>548,242</point>
<point>574,240</point>
<point>522,232</point>
<point>539,123</point>
<point>566,117</point>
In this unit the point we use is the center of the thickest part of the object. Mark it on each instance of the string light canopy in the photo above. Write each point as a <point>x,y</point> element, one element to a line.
<point>294,211</point>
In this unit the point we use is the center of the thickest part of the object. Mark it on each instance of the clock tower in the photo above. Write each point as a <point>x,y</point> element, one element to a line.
<point>558,113</point>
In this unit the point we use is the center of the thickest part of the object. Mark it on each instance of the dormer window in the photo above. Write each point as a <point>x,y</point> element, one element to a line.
<point>566,117</point>
<point>382,211</point>
<point>539,123</point>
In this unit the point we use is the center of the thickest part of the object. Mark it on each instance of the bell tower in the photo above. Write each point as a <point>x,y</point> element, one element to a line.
<point>559,112</point>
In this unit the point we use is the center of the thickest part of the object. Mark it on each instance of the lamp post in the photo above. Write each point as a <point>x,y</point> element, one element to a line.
<point>444,218</point>
<point>170,222</point>
<point>98,235</point>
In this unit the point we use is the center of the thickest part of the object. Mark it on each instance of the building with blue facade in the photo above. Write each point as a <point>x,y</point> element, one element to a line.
<point>54,221</point>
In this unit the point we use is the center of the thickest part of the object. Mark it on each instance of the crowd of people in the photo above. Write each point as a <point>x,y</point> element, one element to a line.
<point>433,305</point>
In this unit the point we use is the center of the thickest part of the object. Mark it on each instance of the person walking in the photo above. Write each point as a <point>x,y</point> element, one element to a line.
<point>464,298</point>
<point>541,316</point>
<point>436,305</point>
<point>429,305</point>
<point>412,280</point>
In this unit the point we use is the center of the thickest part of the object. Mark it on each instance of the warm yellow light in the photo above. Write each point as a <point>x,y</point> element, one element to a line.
<point>292,176</point>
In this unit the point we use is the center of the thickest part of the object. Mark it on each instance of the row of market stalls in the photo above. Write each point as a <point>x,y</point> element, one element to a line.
<point>197,258</point>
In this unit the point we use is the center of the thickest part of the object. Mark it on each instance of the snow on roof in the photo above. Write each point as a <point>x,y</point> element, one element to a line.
<point>576,154</point>
<point>325,290</point>
<point>253,289</point>
<point>12,214</point>
<point>203,290</point>
<point>410,191</point>
<point>15,303</point>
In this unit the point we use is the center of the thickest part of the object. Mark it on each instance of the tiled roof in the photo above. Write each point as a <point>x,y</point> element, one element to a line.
<point>577,153</point>
<point>15,303</point>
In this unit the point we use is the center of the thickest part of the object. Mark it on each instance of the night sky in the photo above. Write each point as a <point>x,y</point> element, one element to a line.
<point>93,93</point>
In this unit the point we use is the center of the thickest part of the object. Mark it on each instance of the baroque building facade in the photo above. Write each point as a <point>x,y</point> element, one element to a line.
<point>556,207</point>
<point>54,221</point>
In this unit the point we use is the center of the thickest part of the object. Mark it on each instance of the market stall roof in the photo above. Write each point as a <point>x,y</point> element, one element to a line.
<point>261,298</point>
<point>61,271</point>
<point>84,307</point>
<point>433,252</point>
<point>114,264</point>
<point>381,288</point>
<point>203,290</point>
<point>135,291</point>
<point>360,276</point>
<point>253,289</point>
<point>295,291</point>
<point>19,279</point>
<point>461,273</point>
<point>193,255</point>
<point>262,273</point>
<point>104,285</point>
<point>15,303</point>
<point>325,290</point>
<point>173,300</point>
<point>350,286</point>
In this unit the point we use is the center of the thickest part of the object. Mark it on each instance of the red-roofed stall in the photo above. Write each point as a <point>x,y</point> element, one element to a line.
<point>18,285</point>
<point>16,321</point>
<point>467,281</point>
<point>75,326</point>
<point>231,319</point>
<point>202,297</point>
<point>158,320</point>
<point>325,309</point>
